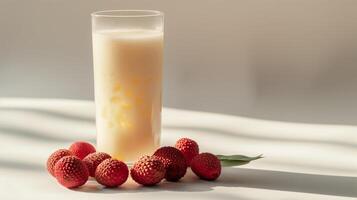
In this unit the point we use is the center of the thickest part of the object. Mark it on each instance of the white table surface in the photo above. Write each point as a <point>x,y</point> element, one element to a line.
<point>302,161</point>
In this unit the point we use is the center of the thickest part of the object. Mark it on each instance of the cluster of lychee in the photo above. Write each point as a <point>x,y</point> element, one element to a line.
<point>72,167</point>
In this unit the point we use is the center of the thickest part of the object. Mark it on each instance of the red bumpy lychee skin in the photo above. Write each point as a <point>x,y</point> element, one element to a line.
<point>189,149</point>
<point>93,160</point>
<point>71,172</point>
<point>206,166</point>
<point>111,173</point>
<point>54,157</point>
<point>148,171</point>
<point>81,149</point>
<point>174,162</point>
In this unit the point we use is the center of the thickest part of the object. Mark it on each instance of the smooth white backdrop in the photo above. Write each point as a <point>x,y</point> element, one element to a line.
<point>282,60</point>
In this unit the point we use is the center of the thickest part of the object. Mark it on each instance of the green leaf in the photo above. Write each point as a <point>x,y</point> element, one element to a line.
<point>235,160</point>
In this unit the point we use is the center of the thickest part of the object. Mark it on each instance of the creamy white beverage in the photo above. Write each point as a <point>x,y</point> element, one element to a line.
<point>128,81</point>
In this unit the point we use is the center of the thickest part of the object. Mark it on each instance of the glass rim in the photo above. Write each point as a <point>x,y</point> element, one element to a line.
<point>125,13</point>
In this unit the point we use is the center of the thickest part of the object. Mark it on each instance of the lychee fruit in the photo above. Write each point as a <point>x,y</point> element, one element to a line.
<point>111,172</point>
<point>174,162</point>
<point>81,149</point>
<point>54,157</point>
<point>148,171</point>
<point>71,172</point>
<point>206,166</point>
<point>189,149</point>
<point>93,160</point>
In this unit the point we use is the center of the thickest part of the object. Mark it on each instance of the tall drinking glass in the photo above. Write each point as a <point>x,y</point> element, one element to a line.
<point>127,58</point>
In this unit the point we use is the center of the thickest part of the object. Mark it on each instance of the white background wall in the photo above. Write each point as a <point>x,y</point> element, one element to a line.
<point>292,60</point>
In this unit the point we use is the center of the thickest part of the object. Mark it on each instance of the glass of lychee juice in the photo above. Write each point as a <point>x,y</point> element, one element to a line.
<point>127,59</point>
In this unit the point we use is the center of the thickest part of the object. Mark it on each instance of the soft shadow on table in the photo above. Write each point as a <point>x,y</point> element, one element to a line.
<point>50,113</point>
<point>230,177</point>
<point>20,165</point>
<point>254,137</point>
<point>36,135</point>
<point>249,178</point>
<point>28,133</point>
<point>23,132</point>
<point>182,186</point>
